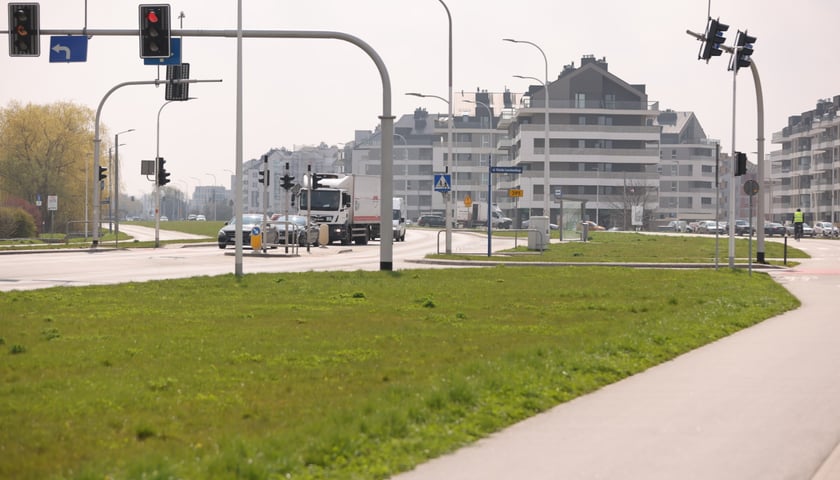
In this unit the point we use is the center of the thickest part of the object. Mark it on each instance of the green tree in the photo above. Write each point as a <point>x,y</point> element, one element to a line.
<point>45,150</point>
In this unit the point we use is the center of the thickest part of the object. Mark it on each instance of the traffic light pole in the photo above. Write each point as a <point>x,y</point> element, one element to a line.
<point>386,119</point>
<point>732,191</point>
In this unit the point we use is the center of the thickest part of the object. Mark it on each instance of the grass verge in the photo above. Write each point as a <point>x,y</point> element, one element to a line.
<point>331,374</point>
<point>642,248</point>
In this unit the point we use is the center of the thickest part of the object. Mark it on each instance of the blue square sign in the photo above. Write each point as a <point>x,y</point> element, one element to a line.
<point>68,48</point>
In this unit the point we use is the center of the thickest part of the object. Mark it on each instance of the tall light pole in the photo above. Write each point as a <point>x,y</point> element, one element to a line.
<point>547,166</point>
<point>116,179</point>
<point>157,187</point>
<point>448,195</point>
<point>489,179</point>
<point>214,195</point>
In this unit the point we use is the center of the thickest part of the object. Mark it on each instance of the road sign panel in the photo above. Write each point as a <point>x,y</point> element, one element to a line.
<point>68,48</point>
<point>515,192</point>
<point>173,59</point>
<point>443,182</point>
<point>505,169</point>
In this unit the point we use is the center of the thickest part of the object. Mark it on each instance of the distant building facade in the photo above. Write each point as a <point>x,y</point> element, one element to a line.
<point>805,172</point>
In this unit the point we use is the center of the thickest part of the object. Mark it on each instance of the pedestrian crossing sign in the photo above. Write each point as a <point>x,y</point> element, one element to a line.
<point>443,182</point>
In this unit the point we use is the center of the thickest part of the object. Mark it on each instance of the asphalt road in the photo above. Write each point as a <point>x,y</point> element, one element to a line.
<point>761,404</point>
<point>21,271</point>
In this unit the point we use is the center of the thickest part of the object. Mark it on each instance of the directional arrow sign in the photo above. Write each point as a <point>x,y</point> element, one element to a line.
<point>64,49</point>
<point>505,169</point>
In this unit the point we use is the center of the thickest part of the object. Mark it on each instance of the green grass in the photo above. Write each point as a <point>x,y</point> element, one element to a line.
<point>344,375</point>
<point>643,248</point>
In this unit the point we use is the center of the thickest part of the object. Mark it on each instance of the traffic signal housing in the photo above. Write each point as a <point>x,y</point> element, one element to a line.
<point>740,164</point>
<point>316,181</point>
<point>714,39</point>
<point>162,174</point>
<point>102,174</point>
<point>24,30</point>
<point>262,177</point>
<point>287,182</point>
<point>155,31</point>
<point>741,55</point>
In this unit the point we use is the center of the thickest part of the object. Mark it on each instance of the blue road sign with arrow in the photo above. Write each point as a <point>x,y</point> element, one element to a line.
<point>68,48</point>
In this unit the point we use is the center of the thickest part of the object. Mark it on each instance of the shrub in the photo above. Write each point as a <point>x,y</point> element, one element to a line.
<point>16,223</point>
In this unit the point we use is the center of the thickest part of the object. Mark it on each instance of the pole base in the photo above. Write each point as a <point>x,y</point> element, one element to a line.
<point>760,257</point>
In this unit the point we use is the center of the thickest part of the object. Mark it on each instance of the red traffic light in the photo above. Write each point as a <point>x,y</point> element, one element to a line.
<point>152,17</point>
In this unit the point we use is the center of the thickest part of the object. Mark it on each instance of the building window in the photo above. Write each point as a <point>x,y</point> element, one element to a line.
<point>609,100</point>
<point>580,100</point>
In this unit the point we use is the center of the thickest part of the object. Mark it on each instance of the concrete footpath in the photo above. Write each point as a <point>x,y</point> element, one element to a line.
<point>763,403</point>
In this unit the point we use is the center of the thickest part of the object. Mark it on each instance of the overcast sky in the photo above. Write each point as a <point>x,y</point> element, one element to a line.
<point>303,92</point>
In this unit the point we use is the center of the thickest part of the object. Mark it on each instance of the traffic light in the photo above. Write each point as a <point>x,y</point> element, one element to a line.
<point>714,40</point>
<point>154,31</point>
<point>742,52</point>
<point>262,177</point>
<point>740,164</point>
<point>24,30</point>
<point>287,182</point>
<point>316,181</point>
<point>162,174</point>
<point>102,174</point>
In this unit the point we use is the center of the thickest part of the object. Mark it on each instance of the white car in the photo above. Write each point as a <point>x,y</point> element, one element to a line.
<point>826,229</point>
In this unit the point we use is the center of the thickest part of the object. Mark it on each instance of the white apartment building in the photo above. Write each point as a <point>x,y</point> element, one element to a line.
<point>805,172</point>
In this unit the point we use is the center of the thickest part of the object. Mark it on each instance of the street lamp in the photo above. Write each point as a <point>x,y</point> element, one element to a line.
<point>157,155</point>
<point>116,180</point>
<point>547,167</point>
<point>447,196</point>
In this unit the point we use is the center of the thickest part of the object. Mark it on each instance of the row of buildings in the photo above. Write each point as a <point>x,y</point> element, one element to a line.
<point>612,152</point>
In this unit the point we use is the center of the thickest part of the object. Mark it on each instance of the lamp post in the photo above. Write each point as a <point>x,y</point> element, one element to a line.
<point>116,180</point>
<point>214,195</point>
<point>447,195</point>
<point>157,187</point>
<point>449,140</point>
<point>202,197</point>
<point>489,179</point>
<point>547,166</point>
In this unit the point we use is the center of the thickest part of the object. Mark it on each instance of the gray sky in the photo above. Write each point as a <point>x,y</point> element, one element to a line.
<point>303,92</point>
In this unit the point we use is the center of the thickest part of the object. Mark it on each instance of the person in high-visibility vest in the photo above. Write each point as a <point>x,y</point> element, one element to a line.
<point>798,220</point>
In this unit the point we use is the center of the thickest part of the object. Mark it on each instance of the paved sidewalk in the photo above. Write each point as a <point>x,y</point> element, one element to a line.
<point>763,403</point>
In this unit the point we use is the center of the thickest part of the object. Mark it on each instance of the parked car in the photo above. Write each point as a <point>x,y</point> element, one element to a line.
<point>431,221</point>
<point>592,226</point>
<point>773,228</point>
<point>298,231</point>
<point>742,227</point>
<point>710,226</point>
<point>826,229</point>
<point>201,218</point>
<point>227,234</point>
<point>674,226</point>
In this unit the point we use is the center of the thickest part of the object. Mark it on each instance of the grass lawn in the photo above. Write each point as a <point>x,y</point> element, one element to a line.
<point>343,375</point>
<point>644,248</point>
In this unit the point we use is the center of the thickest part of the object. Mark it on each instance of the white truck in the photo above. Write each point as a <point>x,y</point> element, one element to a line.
<point>475,216</point>
<point>398,219</point>
<point>348,205</point>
